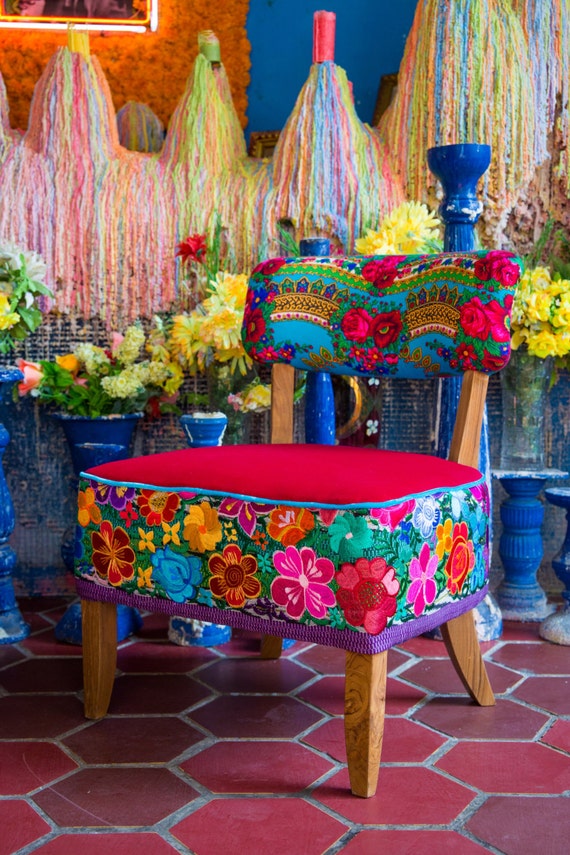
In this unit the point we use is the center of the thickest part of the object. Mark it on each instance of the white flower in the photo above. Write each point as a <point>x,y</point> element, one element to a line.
<point>371,427</point>
<point>426,515</point>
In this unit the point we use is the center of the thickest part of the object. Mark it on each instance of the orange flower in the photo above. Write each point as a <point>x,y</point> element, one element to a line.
<point>32,376</point>
<point>202,528</point>
<point>69,362</point>
<point>289,525</point>
<point>158,507</point>
<point>88,511</point>
<point>461,559</point>
<point>113,557</point>
<point>233,576</point>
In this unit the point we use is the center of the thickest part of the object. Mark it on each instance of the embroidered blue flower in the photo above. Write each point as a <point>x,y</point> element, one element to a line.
<point>177,574</point>
<point>426,516</point>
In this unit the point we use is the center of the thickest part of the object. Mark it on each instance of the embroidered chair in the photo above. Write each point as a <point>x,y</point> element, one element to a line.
<point>356,548</point>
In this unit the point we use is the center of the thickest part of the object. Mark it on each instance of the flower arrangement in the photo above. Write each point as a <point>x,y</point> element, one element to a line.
<point>541,314</point>
<point>207,340</point>
<point>22,288</point>
<point>410,228</point>
<point>92,381</point>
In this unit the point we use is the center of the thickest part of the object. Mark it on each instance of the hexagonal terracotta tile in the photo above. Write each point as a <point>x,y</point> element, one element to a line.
<point>141,739</point>
<point>23,717</point>
<point>406,795</point>
<point>161,658</point>
<point>464,719</point>
<point>29,765</point>
<point>102,797</point>
<point>255,675</point>
<point>508,767</point>
<point>523,826</point>
<point>549,693</point>
<point>534,657</point>
<point>439,676</point>
<point>144,843</point>
<point>137,694</point>
<point>398,842</point>
<point>20,825</point>
<point>44,675</point>
<point>559,736</point>
<point>247,717</point>
<point>259,825</point>
<point>256,767</point>
<point>404,741</point>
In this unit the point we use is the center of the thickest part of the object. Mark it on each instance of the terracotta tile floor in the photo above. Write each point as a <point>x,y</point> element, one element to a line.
<point>213,751</point>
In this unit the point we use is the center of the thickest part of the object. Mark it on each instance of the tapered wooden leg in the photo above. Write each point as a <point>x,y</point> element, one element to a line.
<point>364,704</point>
<point>99,628</point>
<point>271,647</point>
<point>460,637</point>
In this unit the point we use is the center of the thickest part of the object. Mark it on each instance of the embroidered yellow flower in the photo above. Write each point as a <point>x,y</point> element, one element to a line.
<point>146,540</point>
<point>444,538</point>
<point>171,533</point>
<point>144,577</point>
<point>88,511</point>
<point>202,527</point>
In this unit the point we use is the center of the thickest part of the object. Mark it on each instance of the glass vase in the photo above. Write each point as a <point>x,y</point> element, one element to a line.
<point>525,384</point>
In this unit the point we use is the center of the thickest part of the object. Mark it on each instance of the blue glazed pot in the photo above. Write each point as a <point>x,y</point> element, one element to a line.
<point>203,429</point>
<point>97,440</point>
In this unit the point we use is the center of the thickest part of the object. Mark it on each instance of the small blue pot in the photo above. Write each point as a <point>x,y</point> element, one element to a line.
<point>204,430</point>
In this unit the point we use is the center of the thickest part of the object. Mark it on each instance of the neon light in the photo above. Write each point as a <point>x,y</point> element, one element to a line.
<point>60,22</point>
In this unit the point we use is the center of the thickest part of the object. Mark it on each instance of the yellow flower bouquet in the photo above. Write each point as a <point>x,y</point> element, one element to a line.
<point>23,294</point>
<point>410,228</point>
<point>541,314</point>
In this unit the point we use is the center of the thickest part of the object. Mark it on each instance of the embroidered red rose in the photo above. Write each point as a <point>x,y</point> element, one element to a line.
<point>267,268</point>
<point>255,325</point>
<point>383,271</point>
<point>386,328</point>
<point>461,559</point>
<point>356,325</point>
<point>367,593</point>
<point>474,319</point>
<point>490,362</point>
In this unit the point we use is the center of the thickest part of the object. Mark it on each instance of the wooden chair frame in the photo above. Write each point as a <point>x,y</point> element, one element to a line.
<point>365,690</point>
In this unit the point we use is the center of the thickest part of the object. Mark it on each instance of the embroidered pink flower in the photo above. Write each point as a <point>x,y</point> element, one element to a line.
<point>367,593</point>
<point>244,512</point>
<point>474,319</point>
<point>392,516</point>
<point>356,325</point>
<point>327,515</point>
<point>303,582</point>
<point>423,589</point>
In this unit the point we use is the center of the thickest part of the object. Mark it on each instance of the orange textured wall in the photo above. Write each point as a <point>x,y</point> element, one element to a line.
<point>152,68</point>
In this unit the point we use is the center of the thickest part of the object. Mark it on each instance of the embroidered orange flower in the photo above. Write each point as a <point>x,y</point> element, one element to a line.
<point>289,525</point>
<point>233,576</point>
<point>461,558</point>
<point>88,511</point>
<point>444,538</point>
<point>113,557</point>
<point>158,507</point>
<point>202,528</point>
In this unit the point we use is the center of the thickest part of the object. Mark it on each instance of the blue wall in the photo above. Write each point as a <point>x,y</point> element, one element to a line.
<point>370,38</point>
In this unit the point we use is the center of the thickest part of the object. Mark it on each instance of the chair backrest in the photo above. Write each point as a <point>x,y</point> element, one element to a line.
<point>411,316</point>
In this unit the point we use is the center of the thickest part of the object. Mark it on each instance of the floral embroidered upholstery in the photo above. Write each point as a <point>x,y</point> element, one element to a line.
<point>384,315</point>
<point>349,547</point>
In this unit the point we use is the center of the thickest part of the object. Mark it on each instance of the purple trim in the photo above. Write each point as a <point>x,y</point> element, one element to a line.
<point>356,642</point>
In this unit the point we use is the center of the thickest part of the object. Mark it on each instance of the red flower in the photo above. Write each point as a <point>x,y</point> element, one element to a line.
<point>356,325</point>
<point>254,325</point>
<point>461,559</point>
<point>474,319</point>
<point>383,271</point>
<point>367,593</point>
<point>466,354</point>
<point>113,556</point>
<point>157,507</point>
<point>490,362</point>
<point>192,249</point>
<point>497,315</point>
<point>386,328</point>
<point>267,268</point>
<point>233,576</point>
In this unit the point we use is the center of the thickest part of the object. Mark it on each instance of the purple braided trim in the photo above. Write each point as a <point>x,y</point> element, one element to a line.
<point>346,639</point>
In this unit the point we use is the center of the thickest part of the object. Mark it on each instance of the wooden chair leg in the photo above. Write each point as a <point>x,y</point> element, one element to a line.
<point>271,647</point>
<point>460,637</point>
<point>364,704</point>
<point>99,629</point>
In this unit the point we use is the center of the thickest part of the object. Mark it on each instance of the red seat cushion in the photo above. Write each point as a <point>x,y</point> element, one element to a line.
<point>318,475</point>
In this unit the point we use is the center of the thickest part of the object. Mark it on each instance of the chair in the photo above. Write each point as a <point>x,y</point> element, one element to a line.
<point>356,548</point>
